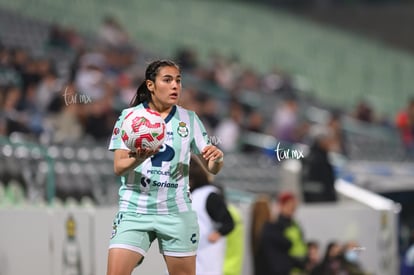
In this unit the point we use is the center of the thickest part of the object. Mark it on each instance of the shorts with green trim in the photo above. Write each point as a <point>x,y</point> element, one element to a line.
<point>177,233</point>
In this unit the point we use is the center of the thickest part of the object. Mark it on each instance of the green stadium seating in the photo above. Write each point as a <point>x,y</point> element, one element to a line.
<point>342,68</point>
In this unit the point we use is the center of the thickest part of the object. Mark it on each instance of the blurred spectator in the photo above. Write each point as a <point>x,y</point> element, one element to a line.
<point>9,76</point>
<point>189,100</point>
<point>209,113</point>
<point>14,119</point>
<point>223,73</point>
<point>405,124</point>
<point>186,58</point>
<point>44,66</point>
<point>273,81</point>
<point>57,37</point>
<point>364,112</point>
<point>285,121</point>
<point>4,56</point>
<point>332,261</point>
<point>248,81</point>
<point>47,90</point>
<point>214,220</point>
<point>338,134</point>
<point>277,82</point>
<point>64,38</point>
<point>66,125</point>
<point>19,59</point>
<point>282,248</point>
<point>98,119</point>
<point>229,129</point>
<point>112,33</point>
<point>118,60</point>
<point>313,256</point>
<point>127,87</point>
<point>318,175</point>
<point>351,262</point>
<point>255,125</point>
<point>30,74</point>
<point>90,78</point>
<point>75,41</point>
<point>75,64</point>
<point>261,214</point>
<point>63,124</point>
<point>3,118</point>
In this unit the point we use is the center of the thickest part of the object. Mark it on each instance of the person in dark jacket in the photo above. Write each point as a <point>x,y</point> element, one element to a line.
<point>318,175</point>
<point>282,249</point>
<point>313,256</point>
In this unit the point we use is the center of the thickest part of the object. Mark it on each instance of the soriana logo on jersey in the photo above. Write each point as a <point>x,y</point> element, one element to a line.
<point>182,129</point>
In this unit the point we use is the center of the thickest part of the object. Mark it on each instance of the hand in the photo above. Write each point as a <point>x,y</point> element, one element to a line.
<point>214,237</point>
<point>142,154</point>
<point>212,153</point>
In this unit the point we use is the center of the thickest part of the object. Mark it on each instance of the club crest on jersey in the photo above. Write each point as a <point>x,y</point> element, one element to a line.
<point>182,129</point>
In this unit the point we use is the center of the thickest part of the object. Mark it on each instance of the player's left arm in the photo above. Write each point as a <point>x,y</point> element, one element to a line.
<point>211,156</point>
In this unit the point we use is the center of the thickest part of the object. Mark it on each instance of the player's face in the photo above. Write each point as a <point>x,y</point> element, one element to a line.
<point>167,87</point>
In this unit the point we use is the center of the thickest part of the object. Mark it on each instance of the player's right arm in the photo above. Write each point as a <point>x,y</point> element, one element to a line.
<point>125,160</point>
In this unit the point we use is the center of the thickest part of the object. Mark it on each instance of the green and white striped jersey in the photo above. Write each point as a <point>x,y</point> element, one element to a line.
<point>160,185</point>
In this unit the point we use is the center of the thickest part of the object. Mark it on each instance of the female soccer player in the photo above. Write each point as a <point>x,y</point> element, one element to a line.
<point>155,201</point>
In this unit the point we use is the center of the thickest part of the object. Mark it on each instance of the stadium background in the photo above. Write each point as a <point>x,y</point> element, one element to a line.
<point>324,57</point>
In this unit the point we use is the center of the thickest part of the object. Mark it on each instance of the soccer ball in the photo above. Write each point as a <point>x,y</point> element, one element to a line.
<point>143,128</point>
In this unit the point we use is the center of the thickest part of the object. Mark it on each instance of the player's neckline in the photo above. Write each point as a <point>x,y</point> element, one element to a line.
<point>169,116</point>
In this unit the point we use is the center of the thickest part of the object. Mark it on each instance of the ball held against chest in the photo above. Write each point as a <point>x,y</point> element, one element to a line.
<point>143,128</point>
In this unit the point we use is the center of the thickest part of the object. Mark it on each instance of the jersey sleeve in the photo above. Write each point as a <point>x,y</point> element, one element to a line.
<point>200,137</point>
<point>116,141</point>
<point>217,210</point>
